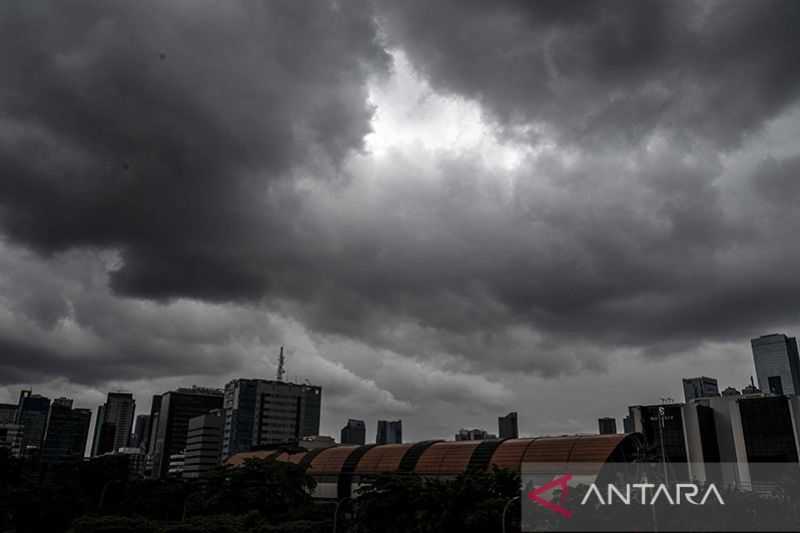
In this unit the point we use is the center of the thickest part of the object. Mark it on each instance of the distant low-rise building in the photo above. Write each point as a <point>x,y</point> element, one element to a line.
<point>474,434</point>
<point>700,387</point>
<point>607,425</point>
<point>317,442</point>
<point>354,432</point>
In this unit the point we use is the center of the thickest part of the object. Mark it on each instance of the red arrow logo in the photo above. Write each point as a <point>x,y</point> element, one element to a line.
<point>559,482</point>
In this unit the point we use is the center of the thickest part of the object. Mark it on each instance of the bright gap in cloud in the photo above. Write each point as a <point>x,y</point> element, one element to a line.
<point>409,114</point>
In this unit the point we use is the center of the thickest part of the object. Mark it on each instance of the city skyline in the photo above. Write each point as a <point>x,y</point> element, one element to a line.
<point>444,213</point>
<point>654,397</point>
<point>255,405</point>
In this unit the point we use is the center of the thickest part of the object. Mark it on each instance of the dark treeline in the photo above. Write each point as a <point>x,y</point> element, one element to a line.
<point>260,496</point>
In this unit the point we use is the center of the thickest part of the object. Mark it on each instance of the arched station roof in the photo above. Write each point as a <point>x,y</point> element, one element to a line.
<point>452,458</point>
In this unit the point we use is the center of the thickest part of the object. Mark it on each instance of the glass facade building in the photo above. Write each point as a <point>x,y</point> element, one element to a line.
<point>175,410</point>
<point>66,433</point>
<point>261,412</point>
<point>777,364</point>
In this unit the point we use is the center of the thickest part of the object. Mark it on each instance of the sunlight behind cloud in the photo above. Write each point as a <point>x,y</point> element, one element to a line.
<point>409,114</point>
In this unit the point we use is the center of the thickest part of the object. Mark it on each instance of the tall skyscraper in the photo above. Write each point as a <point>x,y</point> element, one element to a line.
<point>175,410</point>
<point>141,432</point>
<point>155,408</point>
<point>11,438</point>
<point>8,413</point>
<point>507,426</point>
<point>259,412</point>
<point>355,432</point>
<point>66,432</point>
<point>32,411</point>
<point>777,364</point>
<point>115,417</point>
<point>699,387</point>
<point>607,425</point>
<point>389,432</point>
<point>203,445</point>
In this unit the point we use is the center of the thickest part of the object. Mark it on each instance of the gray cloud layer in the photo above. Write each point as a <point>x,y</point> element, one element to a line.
<point>193,182</point>
<point>597,71</point>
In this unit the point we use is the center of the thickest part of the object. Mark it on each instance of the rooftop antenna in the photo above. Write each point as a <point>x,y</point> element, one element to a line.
<point>281,366</point>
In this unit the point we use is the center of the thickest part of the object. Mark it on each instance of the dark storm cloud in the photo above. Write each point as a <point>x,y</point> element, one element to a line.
<point>596,71</point>
<point>214,146</point>
<point>163,130</point>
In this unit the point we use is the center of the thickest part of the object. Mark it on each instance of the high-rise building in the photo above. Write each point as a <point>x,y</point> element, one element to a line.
<point>66,432</point>
<point>355,432</point>
<point>155,408</point>
<point>507,426</point>
<point>203,445</point>
<point>777,364</point>
<point>115,417</point>
<point>260,412</point>
<point>662,428</point>
<point>32,411</point>
<point>141,432</point>
<point>175,464</point>
<point>8,413</point>
<point>607,425</point>
<point>175,410</point>
<point>104,434</point>
<point>732,439</point>
<point>389,432</point>
<point>474,434</point>
<point>11,438</point>
<point>699,387</point>
<point>627,424</point>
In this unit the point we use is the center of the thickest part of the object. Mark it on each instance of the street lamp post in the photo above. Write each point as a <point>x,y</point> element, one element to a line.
<point>336,512</point>
<point>505,510</point>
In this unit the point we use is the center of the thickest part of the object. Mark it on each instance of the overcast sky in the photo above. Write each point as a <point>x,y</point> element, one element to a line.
<point>444,210</point>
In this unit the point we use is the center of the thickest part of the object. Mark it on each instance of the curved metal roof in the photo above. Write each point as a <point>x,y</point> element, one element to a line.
<point>576,453</point>
<point>509,453</point>
<point>449,458</point>
<point>446,458</point>
<point>331,460</point>
<point>382,459</point>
